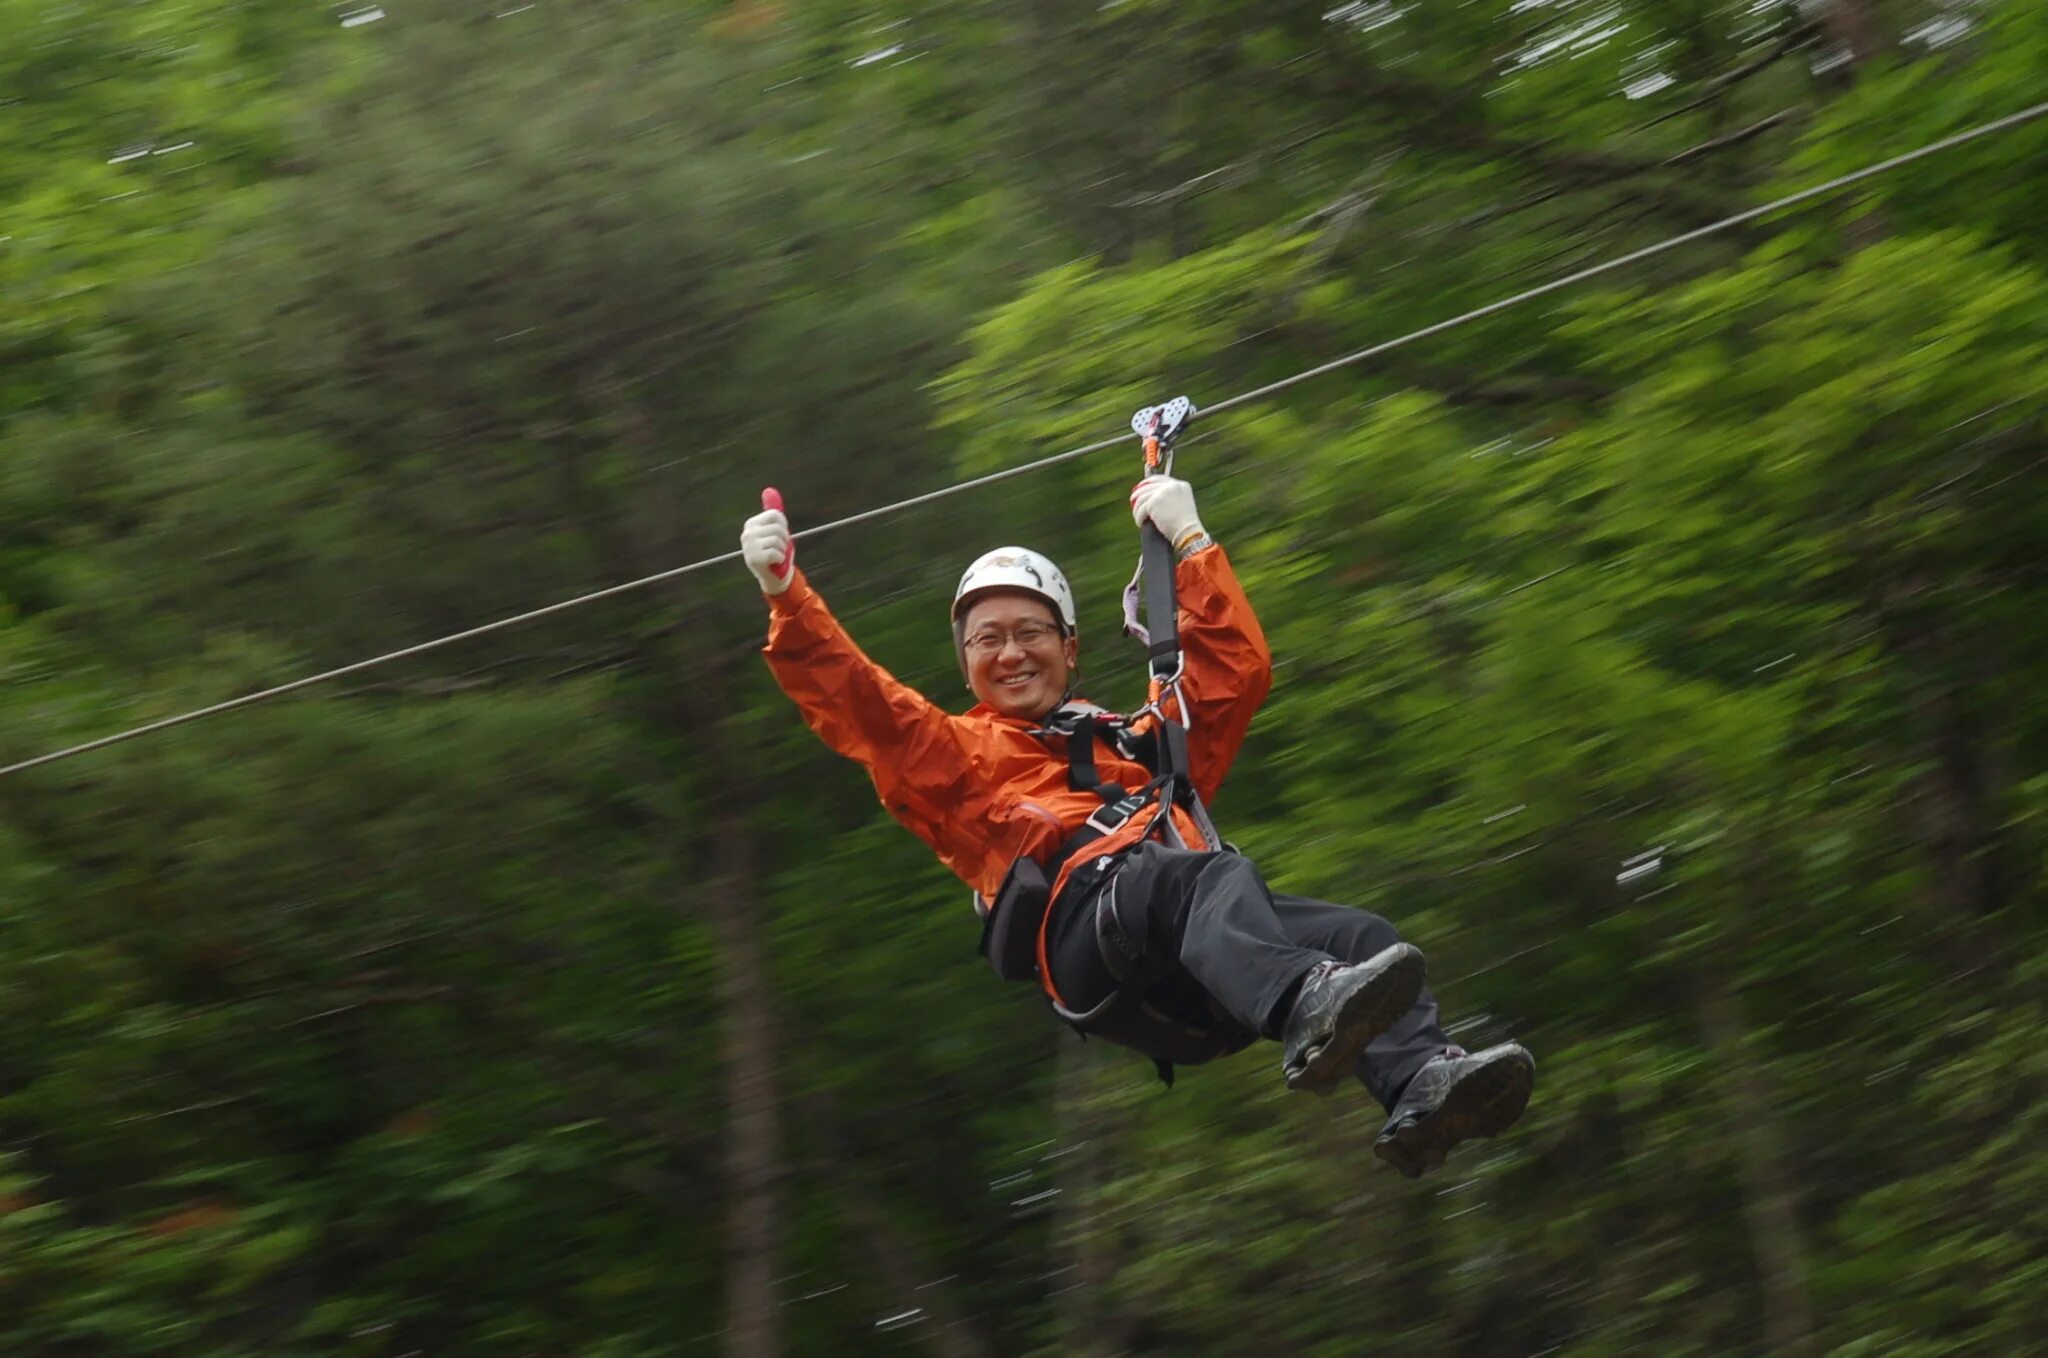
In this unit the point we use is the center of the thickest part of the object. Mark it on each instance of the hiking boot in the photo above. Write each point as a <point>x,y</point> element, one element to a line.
<point>1455,1098</point>
<point>1340,1007</point>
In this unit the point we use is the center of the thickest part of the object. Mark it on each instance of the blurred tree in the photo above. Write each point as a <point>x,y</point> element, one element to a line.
<point>376,1020</point>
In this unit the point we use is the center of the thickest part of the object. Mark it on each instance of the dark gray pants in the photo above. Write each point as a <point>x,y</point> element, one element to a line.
<point>1240,950</point>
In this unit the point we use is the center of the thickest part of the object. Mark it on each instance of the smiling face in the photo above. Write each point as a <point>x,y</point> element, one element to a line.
<point>1017,658</point>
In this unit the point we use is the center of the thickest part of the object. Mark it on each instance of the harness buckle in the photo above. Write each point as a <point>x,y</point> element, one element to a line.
<point>1111,815</point>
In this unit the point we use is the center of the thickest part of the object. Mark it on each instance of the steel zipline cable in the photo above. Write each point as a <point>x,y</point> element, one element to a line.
<point>1821,190</point>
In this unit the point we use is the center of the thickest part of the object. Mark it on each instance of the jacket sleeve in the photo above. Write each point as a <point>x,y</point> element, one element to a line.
<point>1227,669</point>
<point>909,745</point>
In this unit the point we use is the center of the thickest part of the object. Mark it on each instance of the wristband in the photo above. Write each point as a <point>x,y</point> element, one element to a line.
<point>1191,542</point>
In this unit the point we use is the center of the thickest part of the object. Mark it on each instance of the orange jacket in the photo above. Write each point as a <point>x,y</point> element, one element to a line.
<point>978,787</point>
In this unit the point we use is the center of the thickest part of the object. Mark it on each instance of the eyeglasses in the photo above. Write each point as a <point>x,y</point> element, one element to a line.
<point>1030,636</point>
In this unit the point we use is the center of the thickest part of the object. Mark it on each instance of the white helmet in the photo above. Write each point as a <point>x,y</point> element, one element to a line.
<point>1016,568</point>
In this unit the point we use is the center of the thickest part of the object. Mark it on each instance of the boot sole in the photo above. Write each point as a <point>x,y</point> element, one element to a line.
<point>1485,1103</point>
<point>1369,1011</point>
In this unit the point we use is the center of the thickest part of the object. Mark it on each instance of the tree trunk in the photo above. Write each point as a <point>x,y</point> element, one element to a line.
<point>1853,25</point>
<point>905,1274</point>
<point>1955,808</point>
<point>1770,1199</point>
<point>898,1265</point>
<point>634,539</point>
<point>1962,822</point>
<point>1085,1240</point>
<point>753,1153</point>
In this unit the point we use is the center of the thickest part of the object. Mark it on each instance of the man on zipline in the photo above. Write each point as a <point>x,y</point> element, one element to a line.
<point>1181,953</point>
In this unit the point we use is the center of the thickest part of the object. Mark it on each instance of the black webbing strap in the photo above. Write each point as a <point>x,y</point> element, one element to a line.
<point>1162,621</point>
<point>1082,775</point>
<point>1162,609</point>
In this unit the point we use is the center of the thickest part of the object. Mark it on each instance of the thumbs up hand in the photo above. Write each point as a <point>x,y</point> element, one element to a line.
<point>765,545</point>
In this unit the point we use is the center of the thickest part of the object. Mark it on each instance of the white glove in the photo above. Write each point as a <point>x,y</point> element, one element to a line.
<point>1170,504</point>
<point>764,545</point>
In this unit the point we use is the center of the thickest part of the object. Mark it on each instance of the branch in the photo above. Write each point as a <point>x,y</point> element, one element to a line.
<point>1425,113</point>
<point>1682,201</point>
<point>1354,202</point>
<point>1735,138</point>
<point>416,995</point>
<point>1202,183</point>
<point>1799,35</point>
<point>1674,199</point>
<point>1511,389</point>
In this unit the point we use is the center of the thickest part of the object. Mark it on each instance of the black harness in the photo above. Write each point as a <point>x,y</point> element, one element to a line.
<point>1013,921</point>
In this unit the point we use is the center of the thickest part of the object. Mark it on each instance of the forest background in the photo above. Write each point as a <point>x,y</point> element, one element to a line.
<point>557,994</point>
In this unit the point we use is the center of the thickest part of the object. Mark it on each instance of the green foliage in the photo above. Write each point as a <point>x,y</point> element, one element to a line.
<point>410,1014</point>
